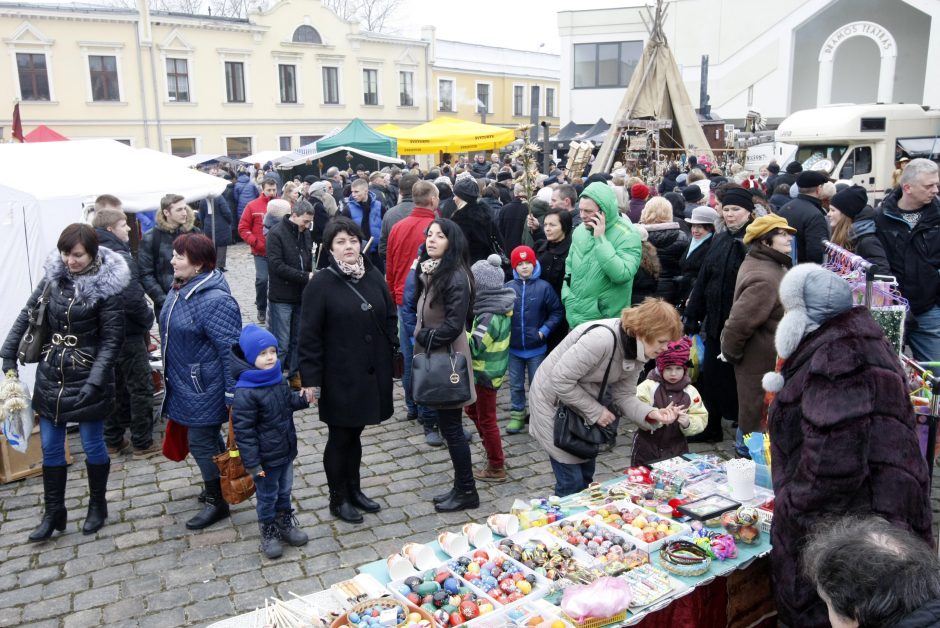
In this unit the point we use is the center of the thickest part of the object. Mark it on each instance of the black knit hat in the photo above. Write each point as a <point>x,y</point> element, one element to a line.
<point>503,176</point>
<point>739,197</point>
<point>850,201</point>
<point>794,167</point>
<point>692,194</point>
<point>467,189</point>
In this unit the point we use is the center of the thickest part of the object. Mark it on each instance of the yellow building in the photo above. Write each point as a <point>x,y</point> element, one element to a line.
<point>498,85</point>
<point>198,84</point>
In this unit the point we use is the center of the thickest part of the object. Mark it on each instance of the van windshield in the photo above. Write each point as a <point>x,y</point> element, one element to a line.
<point>810,154</point>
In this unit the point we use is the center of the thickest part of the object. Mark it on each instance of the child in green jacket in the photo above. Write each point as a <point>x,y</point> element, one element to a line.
<point>489,348</point>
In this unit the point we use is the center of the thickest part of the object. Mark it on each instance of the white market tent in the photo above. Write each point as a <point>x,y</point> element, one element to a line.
<point>265,156</point>
<point>45,186</point>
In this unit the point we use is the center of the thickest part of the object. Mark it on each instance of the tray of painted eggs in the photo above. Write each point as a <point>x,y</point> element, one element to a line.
<point>503,579</point>
<point>534,614</point>
<point>451,600</point>
<point>550,558</point>
<point>647,529</point>
<point>608,547</point>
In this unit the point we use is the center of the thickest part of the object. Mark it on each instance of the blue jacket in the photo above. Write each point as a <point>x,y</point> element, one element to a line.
<point>537,309</point>
<point>409,307</point>
<point>217,225</point>
<point>263,418</point>
<point>352,209</point>
<point>199,324</point>
<point>245,192</point>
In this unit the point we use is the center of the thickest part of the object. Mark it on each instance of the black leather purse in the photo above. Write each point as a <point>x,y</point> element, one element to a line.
<point>573,435</point>
<point>37,333</point>
<point>440,380</point>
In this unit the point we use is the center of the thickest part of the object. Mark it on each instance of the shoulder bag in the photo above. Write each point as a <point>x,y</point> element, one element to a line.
<point>37,333</point>
<point>398,360</point>
<point>440,380</point>
<point>237,485</point>
<point>574,435</point>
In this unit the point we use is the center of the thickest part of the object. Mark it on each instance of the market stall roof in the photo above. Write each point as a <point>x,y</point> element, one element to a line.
<point>361,137</point>
<point>302,159</point>
<point>42,133</point>
<point>595,134</point>
<point>264,156</point>
<point>569,131</point>
<point>391,130</point>
<point>203,158</point>
<point>452,135</point>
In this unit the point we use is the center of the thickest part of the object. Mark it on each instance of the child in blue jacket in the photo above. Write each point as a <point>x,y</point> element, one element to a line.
<point>263,417</point>
<point>536,313</point>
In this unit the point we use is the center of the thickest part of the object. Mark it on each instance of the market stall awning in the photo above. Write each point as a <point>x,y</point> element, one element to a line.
<point>312,157</point>
<point>265,156</point>
<point>596,133</point>
<point>569,131</point>
<point>391,130</point>
<point>361,137</point>
<point>42,133</point>
<point>452,135</point>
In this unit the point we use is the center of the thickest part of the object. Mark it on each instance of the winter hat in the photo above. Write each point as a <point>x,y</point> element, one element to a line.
<point>444,179</point>
<point>703,215</point>
<point>850,201</point>
<point>739,197</point>
<point>468,189</point>
<point>692,194</point>
<point>810,295</point>
<point>676,353</point>
<point>310,179</point>
<point>764,225</point>
<point>504,176</point>
<point>254,340</point>
<point>521,254</point>
<point>773,168</point>
<point>794,167</point>
<point>810,179</point>
<point>488,273</point>
<point>682,178</point>
<point>640,191</point>
<point>545,194</point>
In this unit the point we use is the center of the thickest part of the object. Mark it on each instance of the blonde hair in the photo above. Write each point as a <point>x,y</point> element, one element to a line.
<point>841,234</point>
<point>656,210</point>
<point>289,187</point>
<point>828,190</point>
<point>651,319</point>
<point>695,175</point>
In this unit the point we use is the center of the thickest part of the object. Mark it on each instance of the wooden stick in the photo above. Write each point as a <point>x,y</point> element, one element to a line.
<point>368,244</point>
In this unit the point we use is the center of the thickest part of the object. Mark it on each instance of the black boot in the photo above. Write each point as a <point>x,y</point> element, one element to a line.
<point>97,504</point>
<point>286,524</point>
<point>215,509</point>
<point>462,500</point>
<point>53,486</point>
<point>270,540</point>
<point>341,507</point>
<point>443,497</point>
<point>359,500</point>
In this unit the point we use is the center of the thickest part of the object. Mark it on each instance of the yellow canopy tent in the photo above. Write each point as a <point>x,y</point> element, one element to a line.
<point>391,130</point>
<point>451,135</point>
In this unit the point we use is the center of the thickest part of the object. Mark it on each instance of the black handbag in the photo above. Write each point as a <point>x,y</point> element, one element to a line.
<point>574,435</point>
<point>440,380</point>
<point>37,333</point>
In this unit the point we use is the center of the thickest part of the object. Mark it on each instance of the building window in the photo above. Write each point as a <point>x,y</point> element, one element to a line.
<point>104,78</point>
<point>309,139</point>
<point>549,102</point>
<point>183,147</point>
<point>607,64</point>
<point>518,98</point>
<point>177,80</point>
<point>370,87</point>
<point>445,95</point>
<point>306,35</point>
<point>34,79</point>
<point>284,142</point>
<point>406,89</point>
<point>330,86</point>
<point>288,79</point>
<point>483,98</point>
<point>237,147</point>
<point>235,81</point>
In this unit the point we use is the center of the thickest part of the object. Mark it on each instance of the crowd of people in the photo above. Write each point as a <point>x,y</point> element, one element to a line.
<point>588,295</point>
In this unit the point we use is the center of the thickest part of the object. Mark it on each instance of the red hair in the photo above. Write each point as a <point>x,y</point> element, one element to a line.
<point>198,249</point>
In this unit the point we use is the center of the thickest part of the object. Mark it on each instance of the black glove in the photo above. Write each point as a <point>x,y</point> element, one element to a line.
<point>87,394</point>
<point>10,365</point>
<point>690,327</point>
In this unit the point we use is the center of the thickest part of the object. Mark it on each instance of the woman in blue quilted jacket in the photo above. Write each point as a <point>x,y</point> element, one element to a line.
<point>199,323</point>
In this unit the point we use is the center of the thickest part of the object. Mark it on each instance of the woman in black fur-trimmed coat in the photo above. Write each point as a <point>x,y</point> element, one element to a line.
<point>75,375</point>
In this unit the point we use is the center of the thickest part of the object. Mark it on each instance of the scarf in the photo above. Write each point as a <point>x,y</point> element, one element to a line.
<point>429,265</point>
<point>91,269</point>
<point>738,227</point>
<point>667,393</point>
<point>497,301</point>
<point>694,244</point>
<point>256,378</point>
<point>356,271</point>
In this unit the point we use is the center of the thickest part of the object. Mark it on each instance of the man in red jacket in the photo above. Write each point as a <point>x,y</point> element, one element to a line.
<point>251,230</point>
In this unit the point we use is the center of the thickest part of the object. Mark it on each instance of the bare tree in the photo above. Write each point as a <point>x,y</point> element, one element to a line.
<point>345,9</point>
<point>374,15</point>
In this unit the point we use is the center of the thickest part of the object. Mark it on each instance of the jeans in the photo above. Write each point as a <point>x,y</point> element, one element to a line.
<point>221,256</point>
<point>517,376</point>
<point>205,442</point>
<point>925,340</point>
<point>483,415</point>
<point>133,405</point>
<point>261,284</point>
<point>272,492</point>
<point>52,438</point>
<point>451,427</point>
<point>284,321</point>
<point>572,478</point>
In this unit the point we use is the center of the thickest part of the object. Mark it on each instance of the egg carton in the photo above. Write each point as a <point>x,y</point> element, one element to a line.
<point>396,589</point>
<point>540,588</point>
<point>652,517</point>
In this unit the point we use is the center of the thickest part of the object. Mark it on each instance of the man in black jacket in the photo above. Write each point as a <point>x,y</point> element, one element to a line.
<point>908,225</point>
<point>133,405</point>
<point>289,251</point>
<point>805,213</point>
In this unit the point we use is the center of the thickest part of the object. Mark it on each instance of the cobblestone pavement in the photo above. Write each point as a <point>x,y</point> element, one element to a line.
<point>144,568</point>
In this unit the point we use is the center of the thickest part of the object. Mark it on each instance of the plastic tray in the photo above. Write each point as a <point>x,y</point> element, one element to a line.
<point>652,517</point>
<point>396,585</point>
<point>540,588</point>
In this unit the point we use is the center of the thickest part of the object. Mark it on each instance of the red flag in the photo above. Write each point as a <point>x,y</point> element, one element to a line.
<point>17,123</point>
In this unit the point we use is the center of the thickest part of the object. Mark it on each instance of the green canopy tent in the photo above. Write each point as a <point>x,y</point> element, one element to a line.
<point>359,135</point>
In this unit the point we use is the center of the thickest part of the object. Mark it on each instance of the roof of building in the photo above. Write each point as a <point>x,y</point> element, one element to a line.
<point>468,57</point>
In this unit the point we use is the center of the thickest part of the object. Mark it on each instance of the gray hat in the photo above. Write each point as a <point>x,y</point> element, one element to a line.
<point>488,273</point>
<point>702,215</point>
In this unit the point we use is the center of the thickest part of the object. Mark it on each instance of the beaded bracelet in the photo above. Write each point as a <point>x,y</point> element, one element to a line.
<point>684,558</point>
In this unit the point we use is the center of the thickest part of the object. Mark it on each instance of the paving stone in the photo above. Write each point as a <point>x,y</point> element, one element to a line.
<point>53,607</point>
<point>66,586</point>
<point>170,617</point>
<point>208,609</point>
<point>125,610</point>
<point>281,572</point>
<point>97,596</point>
<point>39,575</point>
<point>169,599</point>
<point>83,619</point>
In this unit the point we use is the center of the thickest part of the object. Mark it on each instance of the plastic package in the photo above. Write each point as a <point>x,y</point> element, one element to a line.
<point>16,412</point>
<point>604,598</point>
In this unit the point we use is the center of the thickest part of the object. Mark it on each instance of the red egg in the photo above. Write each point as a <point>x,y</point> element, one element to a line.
<point>414,598</point>
<point>515,596</point>
<point>441,577</point>
<point>508,585</point>
<point>518,576</point>
<point>455,619</point>
<point>481,554</point>
<point>469,610</point>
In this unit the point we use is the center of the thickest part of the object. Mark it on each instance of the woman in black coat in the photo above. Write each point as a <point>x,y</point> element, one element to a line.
<point>75,375</point>
<point>475,222</point>
<point>346,348</point>
<point>552,243</point>
<point>702,230</point>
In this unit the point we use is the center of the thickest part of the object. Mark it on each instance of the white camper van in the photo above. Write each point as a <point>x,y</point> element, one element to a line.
<point>861,143</point>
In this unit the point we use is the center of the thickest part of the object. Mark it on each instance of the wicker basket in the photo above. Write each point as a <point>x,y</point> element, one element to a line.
<point>384,602</point>
<point>596,622</point>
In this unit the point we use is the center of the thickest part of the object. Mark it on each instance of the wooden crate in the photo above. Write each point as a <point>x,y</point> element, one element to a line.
<point>16,466</point>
